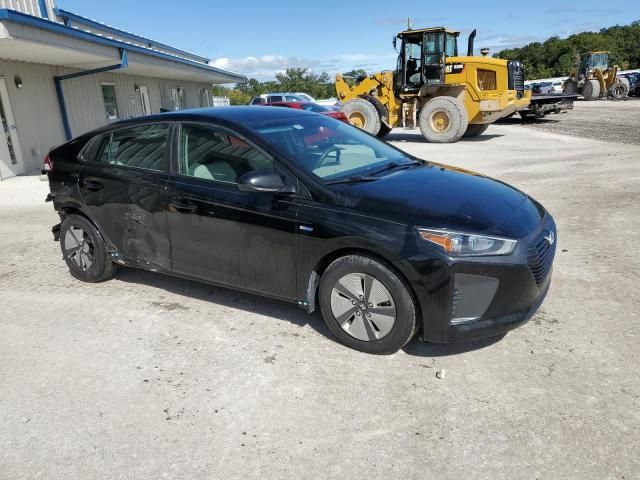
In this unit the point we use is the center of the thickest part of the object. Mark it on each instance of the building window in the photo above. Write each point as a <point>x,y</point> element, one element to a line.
<point>109,98</point>
<point>203,94</point>
<point>177,97</point>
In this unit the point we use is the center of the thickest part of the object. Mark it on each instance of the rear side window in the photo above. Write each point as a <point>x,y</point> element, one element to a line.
<point>276,98</point>
<point>138,147</point>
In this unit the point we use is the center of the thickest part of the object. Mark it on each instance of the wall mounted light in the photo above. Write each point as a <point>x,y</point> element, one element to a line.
<point>18,81</point>
<point>136,87</point>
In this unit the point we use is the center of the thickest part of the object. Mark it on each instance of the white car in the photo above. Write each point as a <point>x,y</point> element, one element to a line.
<point>327,102</point>
<point>556,86</point>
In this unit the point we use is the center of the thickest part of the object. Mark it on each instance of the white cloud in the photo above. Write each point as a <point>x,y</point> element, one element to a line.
<point>267,66</point>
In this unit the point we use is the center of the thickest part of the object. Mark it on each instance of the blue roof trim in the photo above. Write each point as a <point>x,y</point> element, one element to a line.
<point>37,22</point>
<point>107,28</point>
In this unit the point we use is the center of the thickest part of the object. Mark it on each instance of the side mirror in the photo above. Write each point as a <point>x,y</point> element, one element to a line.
<point>266,181</point>
<point>395,43</point>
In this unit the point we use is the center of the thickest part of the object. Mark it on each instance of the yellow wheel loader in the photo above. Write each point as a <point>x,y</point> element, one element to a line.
<point>595,79</point>
<point>446,95</point>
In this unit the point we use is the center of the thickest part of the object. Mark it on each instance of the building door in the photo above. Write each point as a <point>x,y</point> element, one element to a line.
<point>146,103</point>
<point>10,154</point>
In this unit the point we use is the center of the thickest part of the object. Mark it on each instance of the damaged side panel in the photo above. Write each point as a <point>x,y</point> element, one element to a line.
<point>128,205</point>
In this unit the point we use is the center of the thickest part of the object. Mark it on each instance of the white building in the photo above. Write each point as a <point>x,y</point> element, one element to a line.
<point>62,75</point>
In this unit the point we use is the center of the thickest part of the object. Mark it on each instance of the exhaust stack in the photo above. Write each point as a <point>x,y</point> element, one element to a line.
<point>472,37</point>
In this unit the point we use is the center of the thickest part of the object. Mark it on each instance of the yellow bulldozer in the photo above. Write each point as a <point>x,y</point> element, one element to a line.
<point>594,79</point>
<point>446,95</point>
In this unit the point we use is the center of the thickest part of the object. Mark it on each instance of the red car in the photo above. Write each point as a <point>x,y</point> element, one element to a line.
<point>312,107</point>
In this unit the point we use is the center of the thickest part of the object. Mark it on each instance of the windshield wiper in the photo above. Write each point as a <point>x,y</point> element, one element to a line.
<point>394,165</point>
<point>354,179</point>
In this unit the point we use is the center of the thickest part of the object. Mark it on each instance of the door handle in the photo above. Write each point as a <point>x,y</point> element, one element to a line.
<point>93,186</point>
<point>184,206</point>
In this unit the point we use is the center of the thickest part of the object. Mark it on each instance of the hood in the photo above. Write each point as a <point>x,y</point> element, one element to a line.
<point>439,196</point>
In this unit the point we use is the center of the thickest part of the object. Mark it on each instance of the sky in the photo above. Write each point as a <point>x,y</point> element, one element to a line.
<point>259,38</point>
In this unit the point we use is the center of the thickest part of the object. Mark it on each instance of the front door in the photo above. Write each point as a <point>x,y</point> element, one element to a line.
<point>220,234</point>
<point>123,186</point>
<point>146,103</point>
<point>10,153</point>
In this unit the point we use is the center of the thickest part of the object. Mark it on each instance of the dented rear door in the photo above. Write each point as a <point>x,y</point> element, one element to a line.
<point>123,188</point>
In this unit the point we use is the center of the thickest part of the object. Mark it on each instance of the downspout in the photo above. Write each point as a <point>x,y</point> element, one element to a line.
<point>43,9</point>
<point>60,94</point>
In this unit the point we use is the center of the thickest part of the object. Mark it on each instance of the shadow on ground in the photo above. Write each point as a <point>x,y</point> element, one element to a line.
<point>275,309</point>
<point>416,138</point>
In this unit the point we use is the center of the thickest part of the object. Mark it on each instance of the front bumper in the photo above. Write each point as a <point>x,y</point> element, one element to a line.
<point>474,298</point>
<point>496,106</point>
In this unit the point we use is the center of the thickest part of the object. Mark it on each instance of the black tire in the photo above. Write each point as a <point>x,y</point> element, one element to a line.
<point>570,88</point>
<point>620,89</point>
<point>85,253</point>
<point>384,130</point>
<point>362,114</point>
<point>475,130</point>
<point>443,120</point>
<point>404,326</point>
<point>591,89</point>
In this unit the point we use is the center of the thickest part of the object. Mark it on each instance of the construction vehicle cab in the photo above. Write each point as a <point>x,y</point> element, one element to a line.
<point>421,59</point>
<point>595,79</point>
<point>434,88</point>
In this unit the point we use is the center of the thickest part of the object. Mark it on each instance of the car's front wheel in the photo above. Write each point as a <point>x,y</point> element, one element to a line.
<point>367,305</point>
<point>84,250</point>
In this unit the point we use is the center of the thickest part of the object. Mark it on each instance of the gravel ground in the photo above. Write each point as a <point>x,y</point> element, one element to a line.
<point>608,120</point>
<point>148,376</point>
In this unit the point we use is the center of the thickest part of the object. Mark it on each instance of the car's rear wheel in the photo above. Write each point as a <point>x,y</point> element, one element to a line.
<point>84,250</point>
<point>367,305</point>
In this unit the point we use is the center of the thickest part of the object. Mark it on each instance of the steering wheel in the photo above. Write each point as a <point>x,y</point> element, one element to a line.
<point>323,157</point>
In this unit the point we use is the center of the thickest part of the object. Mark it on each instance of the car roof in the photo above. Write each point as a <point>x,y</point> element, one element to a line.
<point>237,114</point>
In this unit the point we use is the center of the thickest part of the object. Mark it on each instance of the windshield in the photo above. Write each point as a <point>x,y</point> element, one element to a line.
<point>314,107</point>
<point>328,148</point>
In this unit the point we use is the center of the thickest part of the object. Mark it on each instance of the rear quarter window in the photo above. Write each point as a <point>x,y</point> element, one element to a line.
<point>70,151</point>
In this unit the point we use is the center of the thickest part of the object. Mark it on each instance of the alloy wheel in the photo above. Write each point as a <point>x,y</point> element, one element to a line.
<point>363,307</point>
<point>79,248</point>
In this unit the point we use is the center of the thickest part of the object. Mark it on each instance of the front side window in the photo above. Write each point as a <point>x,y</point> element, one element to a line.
<point>109,99</point>
<point>328,148</point>
<point>215,154</point>
<point>138,147</point>
<point>276,98</point>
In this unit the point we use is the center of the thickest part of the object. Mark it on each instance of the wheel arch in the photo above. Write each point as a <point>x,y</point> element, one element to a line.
<point>313,280</point>
<point>72,209</point>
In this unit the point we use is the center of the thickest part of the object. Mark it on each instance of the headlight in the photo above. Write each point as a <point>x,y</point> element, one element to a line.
<point>457,244</point>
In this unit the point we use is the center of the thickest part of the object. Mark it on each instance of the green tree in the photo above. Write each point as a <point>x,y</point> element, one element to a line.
<point>556,56</point>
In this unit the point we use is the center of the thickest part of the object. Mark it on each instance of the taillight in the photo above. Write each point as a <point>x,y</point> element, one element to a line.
<point>47,166</point>
<point>340,116</point>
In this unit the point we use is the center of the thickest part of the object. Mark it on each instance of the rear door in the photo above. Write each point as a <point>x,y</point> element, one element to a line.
<point>122,184</point>
<point>218,233</point>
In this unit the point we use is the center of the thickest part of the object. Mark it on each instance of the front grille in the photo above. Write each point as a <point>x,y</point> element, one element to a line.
<point>516,77</point>
<point>540,256</point>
